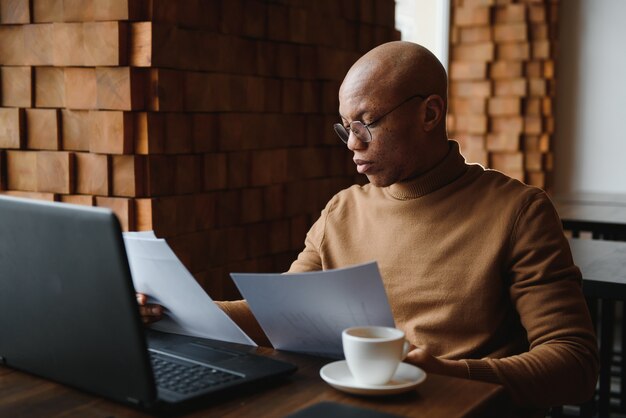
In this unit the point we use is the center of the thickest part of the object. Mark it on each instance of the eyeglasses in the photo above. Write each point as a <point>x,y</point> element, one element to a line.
<point>361,130</point>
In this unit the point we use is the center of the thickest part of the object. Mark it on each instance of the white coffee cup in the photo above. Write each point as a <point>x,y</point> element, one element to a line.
<point>374,353</point>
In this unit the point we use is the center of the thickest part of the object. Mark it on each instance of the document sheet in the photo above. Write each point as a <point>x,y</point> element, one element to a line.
<point>158,272</point>
<point>306,312</point>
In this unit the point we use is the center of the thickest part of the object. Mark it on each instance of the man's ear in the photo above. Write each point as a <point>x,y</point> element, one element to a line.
<point>434,112</point>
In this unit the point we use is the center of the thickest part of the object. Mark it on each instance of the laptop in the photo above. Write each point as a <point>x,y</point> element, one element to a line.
<point>68,313</point>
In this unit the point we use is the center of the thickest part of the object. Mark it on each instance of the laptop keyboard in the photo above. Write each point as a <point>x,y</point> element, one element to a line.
<point>187,378</point>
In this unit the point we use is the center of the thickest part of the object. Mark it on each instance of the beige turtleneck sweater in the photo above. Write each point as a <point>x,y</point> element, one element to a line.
<point>476,269</point>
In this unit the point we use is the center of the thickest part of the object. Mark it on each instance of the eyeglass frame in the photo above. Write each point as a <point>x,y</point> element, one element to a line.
<point>341,130</point>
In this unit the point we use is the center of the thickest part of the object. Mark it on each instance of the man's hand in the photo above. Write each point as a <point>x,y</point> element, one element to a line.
<point>150,312</point>
<point>431,364</point>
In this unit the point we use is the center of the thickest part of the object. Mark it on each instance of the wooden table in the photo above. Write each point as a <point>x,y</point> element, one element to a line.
<point>603,266</point>
<point>23,395</point>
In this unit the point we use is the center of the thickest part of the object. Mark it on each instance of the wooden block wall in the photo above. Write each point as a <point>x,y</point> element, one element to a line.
<point>209,121</point>
<point>502,85</point>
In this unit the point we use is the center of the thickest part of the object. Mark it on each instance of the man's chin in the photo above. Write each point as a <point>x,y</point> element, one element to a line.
<point>378,181</point>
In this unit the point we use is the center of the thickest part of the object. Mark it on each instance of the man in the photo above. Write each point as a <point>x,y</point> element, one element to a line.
<point>475,264</point>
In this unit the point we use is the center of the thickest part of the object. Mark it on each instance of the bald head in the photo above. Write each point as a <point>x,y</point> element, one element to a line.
<point>398,91</point>
<point>395,70</point>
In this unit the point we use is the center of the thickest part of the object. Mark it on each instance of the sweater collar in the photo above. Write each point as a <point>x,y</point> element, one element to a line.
<point>450,168</point>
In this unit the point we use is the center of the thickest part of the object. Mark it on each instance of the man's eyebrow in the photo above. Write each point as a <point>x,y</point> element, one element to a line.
<point>360,118</point>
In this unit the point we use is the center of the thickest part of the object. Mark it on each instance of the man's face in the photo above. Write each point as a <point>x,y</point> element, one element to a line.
<point>393,154</point>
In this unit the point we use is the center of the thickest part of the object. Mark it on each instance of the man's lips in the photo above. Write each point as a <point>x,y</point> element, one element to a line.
<point>362,165</point>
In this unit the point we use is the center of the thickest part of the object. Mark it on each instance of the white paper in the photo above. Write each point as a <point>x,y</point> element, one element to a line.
<point>306,312</point>
<point>158,273</point>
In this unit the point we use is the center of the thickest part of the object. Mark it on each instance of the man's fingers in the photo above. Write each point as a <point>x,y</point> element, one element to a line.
<point>141,299</point>
<point>151,311</point>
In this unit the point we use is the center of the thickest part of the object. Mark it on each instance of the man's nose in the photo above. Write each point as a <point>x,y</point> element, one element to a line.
<point>354,143</point>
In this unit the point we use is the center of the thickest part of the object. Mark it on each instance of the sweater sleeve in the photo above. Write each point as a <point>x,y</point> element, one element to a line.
<point>310,259</point>
<point>561,366</point>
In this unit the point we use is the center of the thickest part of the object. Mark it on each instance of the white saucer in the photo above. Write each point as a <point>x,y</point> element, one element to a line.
<point>338,376</point>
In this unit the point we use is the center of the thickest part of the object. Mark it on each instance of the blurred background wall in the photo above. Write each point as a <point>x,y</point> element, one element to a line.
<point>208,121</point>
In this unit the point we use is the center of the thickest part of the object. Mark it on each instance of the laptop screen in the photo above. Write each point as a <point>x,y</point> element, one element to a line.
<point>68,310</point>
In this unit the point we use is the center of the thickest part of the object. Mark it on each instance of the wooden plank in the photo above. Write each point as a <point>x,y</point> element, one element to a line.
<point>78,199</point>
<point>215,171</point>
<point>504,106</point>
<point>12,128</point>
<point>513,51</point>
<point>111,132</point>
<point>206,92</point>
<point>507,124</point>
<point>116,10</point>
<point>483,51</point>
<point>21,169</point>
<point>470,88</point>
<point>475,34</point>
<point>178,133</point>
<point>47,10</point>
<point>251,205</point>
<point>467,105</point>
<point>129,175</point>
<point>541,49</point>
<point>76,129</point>
<point>204,133</point>
<point>507,162</point>
<point>143,215</point>
<point>162,11</point>
<point>505,69</point>
<point>537,87</point>
<point>513,87</point>
<point>123,208</point>
<point>78,10</point>
<point>80,88</point>
<point>166,91</point>
<point>277,20</point>
<point>55,172</point>
<point>473,124</point>
<point>534,69</point>
<point>120,88</point>
<point>39,44</point>
<point>536,178</point>
<point>536,142</point>
<point>161,175</point>
<point>49,197</point>
<point>68,44</point>
<point>140,44</point>
<point>42,129</point>
<point>533,125</point>
<point>93,174</point>
<point>160,45</point>
<point>149,132</point>
<point>188,174</point>
<point>49,87</point>
<point>471,16</point>
<point>16,86</point>
<point>511,13</point>
<point>503,141</point>
<point>536,13</point>
<point>105,43</point>
<point>11,45</point>
<point>468,70</point>
<point>511,32</point>
<point>534,161</point>
<point>14,12</point>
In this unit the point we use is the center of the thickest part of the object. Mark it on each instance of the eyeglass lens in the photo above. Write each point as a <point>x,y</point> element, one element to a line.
<point>358,129</point>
